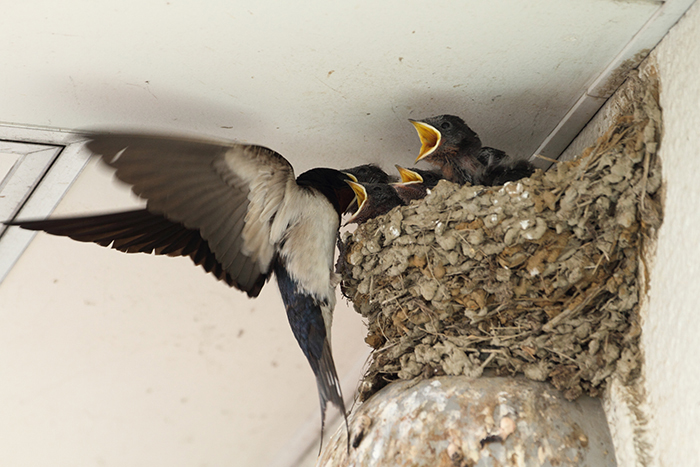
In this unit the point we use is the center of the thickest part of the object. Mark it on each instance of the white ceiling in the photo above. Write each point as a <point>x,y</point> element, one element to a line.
<point>136,360</point>
<point>321,82</point>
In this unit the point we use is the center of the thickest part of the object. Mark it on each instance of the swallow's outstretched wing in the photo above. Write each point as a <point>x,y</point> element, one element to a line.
<point>215,202</point>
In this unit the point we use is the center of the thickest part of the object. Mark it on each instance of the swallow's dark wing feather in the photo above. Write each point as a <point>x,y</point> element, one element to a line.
<point>139,231</point>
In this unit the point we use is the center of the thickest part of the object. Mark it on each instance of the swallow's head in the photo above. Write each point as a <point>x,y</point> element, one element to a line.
<point>444,135</point>
<point>332,184</point>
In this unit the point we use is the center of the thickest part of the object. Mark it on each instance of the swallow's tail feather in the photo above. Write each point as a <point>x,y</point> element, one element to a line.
<point>329,388</point>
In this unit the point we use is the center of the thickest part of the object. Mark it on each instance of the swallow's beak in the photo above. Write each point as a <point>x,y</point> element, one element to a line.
<point>350,176</point>
<point>361,195</point>
<point>409,176</point>
<point>345,198</point>
<point>430,138</point>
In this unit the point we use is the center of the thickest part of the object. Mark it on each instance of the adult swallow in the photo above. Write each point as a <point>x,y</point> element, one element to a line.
<point>415,183</point>
<point>448,143</point>
<point>373,199</point>
<point>238,211</point>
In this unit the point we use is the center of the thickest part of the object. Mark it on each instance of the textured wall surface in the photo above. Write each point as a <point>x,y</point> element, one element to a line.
<point>657,428</point>
<point>671,328</point>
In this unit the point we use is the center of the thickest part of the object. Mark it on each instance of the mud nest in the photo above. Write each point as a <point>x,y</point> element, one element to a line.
<point>541,277</point>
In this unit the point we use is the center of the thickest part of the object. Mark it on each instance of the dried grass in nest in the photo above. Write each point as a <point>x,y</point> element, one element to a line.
<point>538,277</point>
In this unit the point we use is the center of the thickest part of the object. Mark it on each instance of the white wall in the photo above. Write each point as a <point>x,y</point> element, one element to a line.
<point>671,330</point>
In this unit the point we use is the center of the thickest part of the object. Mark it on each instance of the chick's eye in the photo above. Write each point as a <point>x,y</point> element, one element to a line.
<point>445,125</point>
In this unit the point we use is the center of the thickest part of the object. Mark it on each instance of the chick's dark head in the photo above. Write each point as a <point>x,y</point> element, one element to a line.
<point>444,136</point>
<point>415,183</point>
<point>369,173</point>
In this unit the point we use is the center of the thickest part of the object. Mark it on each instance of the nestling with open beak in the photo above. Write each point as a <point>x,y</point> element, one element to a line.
<point>448,143</point>
<point>373,199</point>
<point>415,183</point>
<point>367,173</point>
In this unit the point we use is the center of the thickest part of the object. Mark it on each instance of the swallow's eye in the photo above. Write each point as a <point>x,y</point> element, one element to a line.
<point>446,125</point>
